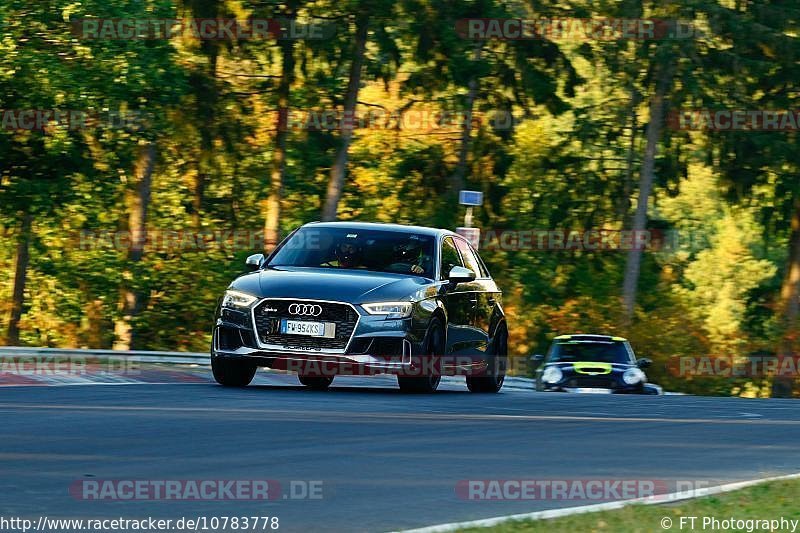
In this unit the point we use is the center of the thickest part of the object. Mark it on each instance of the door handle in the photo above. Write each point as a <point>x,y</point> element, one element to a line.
<point>492,301</point>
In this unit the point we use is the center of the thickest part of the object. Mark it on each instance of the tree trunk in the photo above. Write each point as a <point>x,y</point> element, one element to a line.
<point>278,171</point>
<point>629,157</point>
<point>204,86</point>
<point>339,168</point>
<point>207,102</point>
<point>789,305</point>
<point>93,327</point>
<point>457,178</point>
<point>653,135</point>
<point>20,278</point>
<point>137,200</point>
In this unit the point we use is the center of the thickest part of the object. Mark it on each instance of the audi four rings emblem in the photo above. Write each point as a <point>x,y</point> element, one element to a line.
<point>305,309</point>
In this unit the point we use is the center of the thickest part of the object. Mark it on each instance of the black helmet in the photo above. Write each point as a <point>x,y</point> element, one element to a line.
<point>348,252</point>
<point>407,252</point>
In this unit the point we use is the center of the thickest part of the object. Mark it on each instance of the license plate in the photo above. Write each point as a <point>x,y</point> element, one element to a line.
<point>592,390</point>
<point>311,329</point>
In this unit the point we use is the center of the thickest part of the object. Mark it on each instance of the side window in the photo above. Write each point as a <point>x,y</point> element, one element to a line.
<point>631,355</point>
<point>484,271</point>
<point>471,262</point>
<point>450,257</point>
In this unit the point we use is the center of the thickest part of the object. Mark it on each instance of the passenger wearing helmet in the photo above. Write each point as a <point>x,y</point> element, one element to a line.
<point>409,257</point>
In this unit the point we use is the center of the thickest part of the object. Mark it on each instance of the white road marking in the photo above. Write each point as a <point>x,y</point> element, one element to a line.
<point>609,506</point>
<point>449,417</point>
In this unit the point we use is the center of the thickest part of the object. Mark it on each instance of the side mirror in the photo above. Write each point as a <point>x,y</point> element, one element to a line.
<point>536,360</point>
<point>460,275</point>
<point>254,261</point>
<point>644,362</point>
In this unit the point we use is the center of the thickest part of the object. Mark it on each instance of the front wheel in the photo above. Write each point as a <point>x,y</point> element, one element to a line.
<point>492,380</point>
<point>316,382</point>
<point>232,373</point>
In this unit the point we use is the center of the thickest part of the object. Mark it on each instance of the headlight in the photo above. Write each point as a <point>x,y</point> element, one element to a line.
<point>236,299</point>
<point>390,309</point>
<point>632,376</point>
<point>552,374</point>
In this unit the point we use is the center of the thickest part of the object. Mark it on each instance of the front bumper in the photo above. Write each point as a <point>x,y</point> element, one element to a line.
<point>376,345</point>
<point>321,362</point>
<point>610,388</point>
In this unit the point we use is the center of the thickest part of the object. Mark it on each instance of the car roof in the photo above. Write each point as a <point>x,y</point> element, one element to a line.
<point>590,337</point>
<point>422,230</point>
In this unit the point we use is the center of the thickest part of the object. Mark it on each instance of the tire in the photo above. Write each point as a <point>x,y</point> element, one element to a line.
<point>652,389</point>
<point>316,382</point>
<point>232,373</point>
<point>429,383</point>
<point>492,380</point>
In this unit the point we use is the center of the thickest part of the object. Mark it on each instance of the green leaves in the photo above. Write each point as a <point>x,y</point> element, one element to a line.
<point>556,141</point>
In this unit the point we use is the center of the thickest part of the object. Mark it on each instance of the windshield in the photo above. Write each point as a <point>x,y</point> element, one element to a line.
<point>590,351</point>
<point>349,248</point>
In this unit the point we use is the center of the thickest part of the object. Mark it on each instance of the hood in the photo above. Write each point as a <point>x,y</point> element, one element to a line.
<point>354,286</point>
<point>592,368</point>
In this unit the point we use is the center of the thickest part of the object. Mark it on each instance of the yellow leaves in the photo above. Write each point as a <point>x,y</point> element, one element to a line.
<point>767,50</point>
<point>722,275</point>
<point>719,245</point>
<point>69,9</point>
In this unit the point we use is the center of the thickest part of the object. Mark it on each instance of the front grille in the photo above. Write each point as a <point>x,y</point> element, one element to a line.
<point>269,313</point>
<point>593,382</point>
<point>593,370</point>
<point>228,339</point>
<point>387,346</point>
<point>360,345</point>
<point>234,316</point>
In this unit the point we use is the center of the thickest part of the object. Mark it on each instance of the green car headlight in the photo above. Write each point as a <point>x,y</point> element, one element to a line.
<point>552,374</point>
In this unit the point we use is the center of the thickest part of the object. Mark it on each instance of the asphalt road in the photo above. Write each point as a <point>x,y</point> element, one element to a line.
<point>386,461</point>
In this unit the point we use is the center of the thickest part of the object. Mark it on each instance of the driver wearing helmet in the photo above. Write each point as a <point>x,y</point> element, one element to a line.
<point>348,254</point>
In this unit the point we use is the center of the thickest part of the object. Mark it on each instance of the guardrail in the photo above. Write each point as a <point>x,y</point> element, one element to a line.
<point>173,358</point>
<point>140,356</point>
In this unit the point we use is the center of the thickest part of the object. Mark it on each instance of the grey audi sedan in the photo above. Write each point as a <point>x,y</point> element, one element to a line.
<point>363,298</point>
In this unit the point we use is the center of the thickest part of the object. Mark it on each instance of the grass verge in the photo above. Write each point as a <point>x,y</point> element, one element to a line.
<point>767,501</point>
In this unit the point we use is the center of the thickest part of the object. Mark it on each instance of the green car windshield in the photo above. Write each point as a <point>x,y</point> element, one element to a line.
<point>589,351</point>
